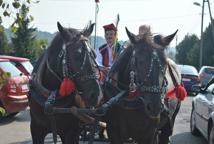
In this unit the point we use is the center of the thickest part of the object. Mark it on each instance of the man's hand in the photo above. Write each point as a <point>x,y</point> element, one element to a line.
<point>104,69</point>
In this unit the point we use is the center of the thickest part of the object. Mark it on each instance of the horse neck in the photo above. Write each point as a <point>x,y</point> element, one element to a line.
<point>122,68</point>
<point>53,67</point>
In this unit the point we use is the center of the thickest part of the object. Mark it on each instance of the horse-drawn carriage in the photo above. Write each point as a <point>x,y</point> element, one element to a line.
<point>66,97</point>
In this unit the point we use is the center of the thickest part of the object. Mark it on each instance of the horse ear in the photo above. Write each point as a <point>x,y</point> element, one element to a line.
<point>63,31</point>
<point>164,41</point>
<point>87,32</point>
<point>132,37</point>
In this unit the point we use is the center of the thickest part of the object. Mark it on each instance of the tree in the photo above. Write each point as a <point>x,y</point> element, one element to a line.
<point>188,50</point>
<point>4,46</point>
<point>38,47</point>
<point>9,9</point>
<point>23,35</point>
<point>208,47</point>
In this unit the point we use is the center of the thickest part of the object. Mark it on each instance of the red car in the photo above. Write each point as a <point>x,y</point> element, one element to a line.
<point>23,64</point>
<point>13,93</point>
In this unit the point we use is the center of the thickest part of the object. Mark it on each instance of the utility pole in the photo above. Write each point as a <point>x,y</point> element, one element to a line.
<point>202,39</point>
<point>95,31</point>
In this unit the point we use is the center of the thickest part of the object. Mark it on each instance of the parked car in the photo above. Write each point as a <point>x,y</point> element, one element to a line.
<point>190,77</point>
<point>205,74</point>
<point>23,64</point>
<point>13,93</point>
<point>202,115</point>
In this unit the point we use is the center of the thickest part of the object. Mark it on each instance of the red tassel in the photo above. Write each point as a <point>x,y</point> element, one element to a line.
<point>171,94</point>
<point>67,87</point>
<point>181,91</point>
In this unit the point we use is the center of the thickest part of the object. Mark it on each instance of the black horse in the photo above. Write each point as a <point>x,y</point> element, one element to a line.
<point>69,63</point>
<point>141,71</point>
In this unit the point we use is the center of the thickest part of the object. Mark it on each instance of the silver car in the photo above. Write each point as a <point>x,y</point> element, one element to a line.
<point>205,74</point>
<point>202,115</point>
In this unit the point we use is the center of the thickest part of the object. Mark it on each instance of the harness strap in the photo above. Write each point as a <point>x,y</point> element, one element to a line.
<point>51,70</point>
<point>175,83</point>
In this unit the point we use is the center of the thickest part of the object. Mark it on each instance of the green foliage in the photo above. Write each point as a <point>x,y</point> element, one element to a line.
<point>16,4</point>
<point>187,50</point>
<point>208,47</point>
<point>38,47</point>
<point>4,46</point>
<point>23,38</point>
<point>9,9</point>
<point>24,41</point>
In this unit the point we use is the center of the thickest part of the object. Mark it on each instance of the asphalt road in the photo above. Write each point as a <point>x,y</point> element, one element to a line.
<point>16,130</point>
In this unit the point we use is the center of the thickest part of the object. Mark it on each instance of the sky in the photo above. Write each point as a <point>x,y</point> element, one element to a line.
<point>163,16</point>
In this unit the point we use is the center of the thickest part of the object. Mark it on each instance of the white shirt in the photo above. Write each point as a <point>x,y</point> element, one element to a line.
<point>99,58</point>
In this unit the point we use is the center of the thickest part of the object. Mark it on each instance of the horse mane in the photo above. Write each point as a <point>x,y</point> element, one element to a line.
<point>121,61</point>
<point>175,68</point>
<point>55,43</point>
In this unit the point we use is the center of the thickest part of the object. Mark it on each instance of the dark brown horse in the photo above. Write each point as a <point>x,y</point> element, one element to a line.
<point>69,56</point>
<point>141,71</point>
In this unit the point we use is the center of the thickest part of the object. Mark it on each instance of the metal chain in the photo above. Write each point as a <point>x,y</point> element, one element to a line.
<point>132,85</point>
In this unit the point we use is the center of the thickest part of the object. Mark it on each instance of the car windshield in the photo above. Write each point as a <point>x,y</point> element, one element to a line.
<point>8,67</point>
<point>28,66</point>
<point>210,88</point>
<point>209,71</point>
<point>188,70</point>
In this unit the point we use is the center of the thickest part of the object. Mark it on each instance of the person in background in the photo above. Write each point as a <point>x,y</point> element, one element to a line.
<point>144,29</point>
<point>106,55</point>
<point>108,52</point>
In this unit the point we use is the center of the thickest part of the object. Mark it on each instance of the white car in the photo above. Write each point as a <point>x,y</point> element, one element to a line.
<point>202,115</point>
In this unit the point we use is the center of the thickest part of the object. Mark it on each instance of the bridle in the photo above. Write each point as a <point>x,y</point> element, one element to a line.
<point>63,58</point>
<point>141,86</point>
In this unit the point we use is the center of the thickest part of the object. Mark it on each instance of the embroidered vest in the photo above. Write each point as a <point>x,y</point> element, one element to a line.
<point>104,52</point>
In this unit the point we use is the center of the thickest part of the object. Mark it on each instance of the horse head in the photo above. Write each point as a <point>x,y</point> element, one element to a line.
<point>71,57</point>
<point>147,69</point>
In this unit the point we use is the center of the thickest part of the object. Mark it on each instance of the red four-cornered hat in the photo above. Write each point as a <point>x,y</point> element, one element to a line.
<point>110,27</point>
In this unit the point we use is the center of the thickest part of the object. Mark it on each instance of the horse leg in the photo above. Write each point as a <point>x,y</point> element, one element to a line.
<point>165,134</point>
<point>167,129</point>
<point>69,137</point>
<point>113,135</point>
<point>38,133</point>
<point>147,138</point>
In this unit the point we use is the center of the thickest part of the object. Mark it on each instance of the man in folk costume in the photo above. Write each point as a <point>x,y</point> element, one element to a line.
<point>108,52</point>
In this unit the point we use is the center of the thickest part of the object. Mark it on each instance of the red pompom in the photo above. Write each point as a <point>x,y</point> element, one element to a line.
<point>181,91</point>
<point>67,87</point>
<point>178,92</point>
